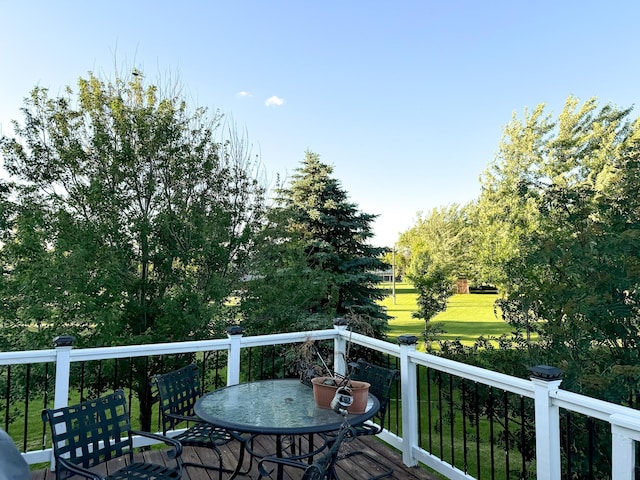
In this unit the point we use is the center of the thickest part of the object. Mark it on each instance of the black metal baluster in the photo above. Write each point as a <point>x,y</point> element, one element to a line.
<point>146,369</point>
<point>505,399</point>
<point>115,374</point>
<point>8,396</point>
<point>99,392</point>
<point>429,410</point>
<point>82,373</point>
<point>398,391</point>
<point>568,444</point>
<point>491,433</point>
<point>418,385</point>
<point>27,391</point>
<point>45,404</point>
<point>464,426</point>
<point>130,372</point>
<point>217,368</point>
<point>523,438</point>
<point>261,370</point>
<point>441,420</point>
<point>205,366</point>
<point>159,413</point>
<point>451,422</point>
<point>477,414</point>
<point>250,360</point>
<point>592,443</point>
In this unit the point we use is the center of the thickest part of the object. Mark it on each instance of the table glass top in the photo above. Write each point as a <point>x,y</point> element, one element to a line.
<point>278,406</point>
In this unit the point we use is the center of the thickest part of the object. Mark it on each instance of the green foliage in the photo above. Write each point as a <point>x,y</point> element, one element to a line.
<point>316,252</point>
<point>557,229</point>
<point>284,290</point>
<point>574,280</point>
<point>435,255</point>
<point>128,222</point>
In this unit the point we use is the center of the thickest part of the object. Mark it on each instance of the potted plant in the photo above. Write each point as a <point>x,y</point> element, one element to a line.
<point>343,393</point>
<point>328,385</point>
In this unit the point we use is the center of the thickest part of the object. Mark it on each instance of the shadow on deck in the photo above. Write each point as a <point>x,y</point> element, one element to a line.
<point>355,468</point>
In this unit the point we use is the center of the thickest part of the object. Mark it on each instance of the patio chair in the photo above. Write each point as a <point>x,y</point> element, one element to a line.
<point>320,469</point>
<point>87,435</point>
<point>382,381</point>
<point>177,393</point>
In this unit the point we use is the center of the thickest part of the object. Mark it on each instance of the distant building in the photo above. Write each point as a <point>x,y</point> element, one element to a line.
<point>462,286</point>
<point>387,275</point>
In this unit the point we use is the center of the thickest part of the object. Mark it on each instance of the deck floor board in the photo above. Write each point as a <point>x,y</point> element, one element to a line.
<point>354,468</point>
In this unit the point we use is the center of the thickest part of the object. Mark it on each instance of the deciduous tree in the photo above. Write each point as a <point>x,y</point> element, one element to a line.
<point>438,254</point>
<point>132,217</point>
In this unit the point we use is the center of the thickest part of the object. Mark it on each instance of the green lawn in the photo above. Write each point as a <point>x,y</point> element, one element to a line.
<point>467,316</point>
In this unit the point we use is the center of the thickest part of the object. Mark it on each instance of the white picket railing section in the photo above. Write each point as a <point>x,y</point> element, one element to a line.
<point>547,395</point>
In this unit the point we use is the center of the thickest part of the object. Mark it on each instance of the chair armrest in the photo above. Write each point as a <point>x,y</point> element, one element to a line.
<point>78,470</point>
<point>177,446</point>
<point>183,418</point>
<point>368,429</point>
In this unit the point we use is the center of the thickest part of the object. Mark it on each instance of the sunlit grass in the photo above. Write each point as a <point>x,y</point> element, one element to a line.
<point>466,318</point>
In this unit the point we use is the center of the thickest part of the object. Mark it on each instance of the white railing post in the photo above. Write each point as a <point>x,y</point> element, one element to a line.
<point>340,347</point>
<point>63,345</point>
<point>233,361</point>
<point>625,431</point>
<point>409,393</point>
<point>545,380</point>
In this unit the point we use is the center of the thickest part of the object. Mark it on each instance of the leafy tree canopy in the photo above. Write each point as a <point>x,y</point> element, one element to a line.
<point>127,219</point>
<point>561,205</point>
<point>324,238</point>
<point>436,253</point>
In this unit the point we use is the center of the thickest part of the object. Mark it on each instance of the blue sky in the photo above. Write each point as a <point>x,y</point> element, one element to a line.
<point>405,99</point>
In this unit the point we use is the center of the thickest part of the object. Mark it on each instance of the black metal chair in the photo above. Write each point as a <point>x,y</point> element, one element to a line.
<point>320,469</point>
<point>177,393</point>
<point>382,381</point>
<point>88,434</point>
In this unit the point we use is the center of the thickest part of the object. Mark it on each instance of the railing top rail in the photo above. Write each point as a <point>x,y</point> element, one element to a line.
<point>516,385</point>
<point>27,356</point>
<point>100,353</point>
<point>590,406</point>
<point>293,337</point>
<point>380,345</point>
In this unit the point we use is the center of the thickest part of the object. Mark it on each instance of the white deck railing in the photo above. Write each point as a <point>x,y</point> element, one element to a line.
<point>547,395</point>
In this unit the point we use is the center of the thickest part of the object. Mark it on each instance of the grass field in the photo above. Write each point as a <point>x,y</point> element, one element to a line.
<point>467,316</point>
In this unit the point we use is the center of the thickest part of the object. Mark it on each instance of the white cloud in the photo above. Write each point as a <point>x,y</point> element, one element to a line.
<point>244,94</point>
<point>274,101</point>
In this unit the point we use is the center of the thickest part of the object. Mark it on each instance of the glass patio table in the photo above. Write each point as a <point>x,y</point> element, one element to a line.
<point>283,407</point>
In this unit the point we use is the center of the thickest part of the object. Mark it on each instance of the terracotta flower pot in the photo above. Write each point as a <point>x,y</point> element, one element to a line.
<point>323,393</point>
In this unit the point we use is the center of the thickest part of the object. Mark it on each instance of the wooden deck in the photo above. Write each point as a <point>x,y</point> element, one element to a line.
<point>354,468</point>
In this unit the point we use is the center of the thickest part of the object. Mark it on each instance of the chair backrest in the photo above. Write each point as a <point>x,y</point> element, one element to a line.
<point>177,393</point>
<point>324,467</point>
<point>91,432</point>
<point>381,379</point>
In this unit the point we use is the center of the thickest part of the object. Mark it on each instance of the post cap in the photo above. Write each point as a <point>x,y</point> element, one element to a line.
<point>407,340</point>
<point>64,341</point>
<point>546,372</point>
<point>235,330</point>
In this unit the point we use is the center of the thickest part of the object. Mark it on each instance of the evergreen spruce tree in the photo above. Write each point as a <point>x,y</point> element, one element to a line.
<point>334,235</point>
